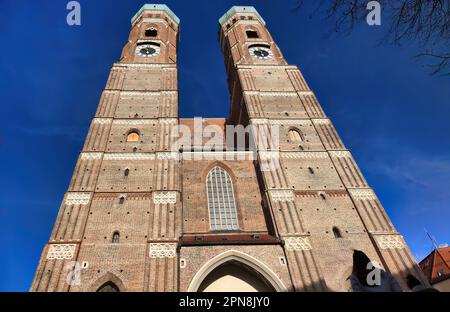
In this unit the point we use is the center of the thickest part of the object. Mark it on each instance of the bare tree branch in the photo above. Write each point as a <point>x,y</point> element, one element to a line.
<point>423,22</point>
<point>439,65</point>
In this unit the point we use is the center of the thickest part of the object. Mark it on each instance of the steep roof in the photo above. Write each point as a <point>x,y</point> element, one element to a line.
<point>435,266</point>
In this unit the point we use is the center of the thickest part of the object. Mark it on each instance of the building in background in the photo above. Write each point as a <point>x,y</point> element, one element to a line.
<point>436,268</point>
<point>142,214</point>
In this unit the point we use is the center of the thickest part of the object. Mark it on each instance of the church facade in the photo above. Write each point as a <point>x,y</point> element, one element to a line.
<point>145,213</point>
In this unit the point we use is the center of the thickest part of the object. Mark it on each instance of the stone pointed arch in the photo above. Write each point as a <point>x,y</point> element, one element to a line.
<point>107,277</point>
<point>238,256</point>
<point>221,164</point>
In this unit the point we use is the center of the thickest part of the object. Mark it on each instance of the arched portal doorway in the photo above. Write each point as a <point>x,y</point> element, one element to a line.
<point>235,271</point>
<point>107,283</point>
<point>234,276</point>
<point>108,287</point>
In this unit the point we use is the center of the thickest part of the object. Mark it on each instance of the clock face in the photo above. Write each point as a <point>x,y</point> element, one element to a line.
<point>147,50</point>
<point>261,53</point>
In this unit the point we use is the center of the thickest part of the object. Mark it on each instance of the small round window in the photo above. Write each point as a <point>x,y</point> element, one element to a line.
<point>133,136</point>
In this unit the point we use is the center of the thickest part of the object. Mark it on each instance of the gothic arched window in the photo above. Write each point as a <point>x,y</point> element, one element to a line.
<point>337,233</point>
<point>295,135</point>
<point>133,136</point>
<point>221,201</point>
<point>115,237</point>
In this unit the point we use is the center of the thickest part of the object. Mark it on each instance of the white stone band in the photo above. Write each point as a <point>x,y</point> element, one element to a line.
<point>164,197</point>
<point>321,121</point>
<point>259,121</point>
<point>297,243</point>
<point>389,242</point>
<point>168,121</point>
<point>102,121</point>
<point>91,156</point>
<point>305,93</point>
<point>269,93</point>
<point>129,156</point>
<point>75,198</point>
<point>219,155</point>
<point>300,122</point>
<point>111,91</point>
<point>304,155</point>
<point>163,250</point>
<point>282,195</point>
<point>132,122</point>
<point>362,194</point>
<point>61,251</point>
<point>168,155</point>
<point>340,154</point>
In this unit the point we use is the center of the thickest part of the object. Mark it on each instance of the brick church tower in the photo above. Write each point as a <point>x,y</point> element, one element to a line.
<point>145,214</point>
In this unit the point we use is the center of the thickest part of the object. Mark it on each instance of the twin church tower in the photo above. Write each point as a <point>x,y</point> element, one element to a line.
<point>140,215</point>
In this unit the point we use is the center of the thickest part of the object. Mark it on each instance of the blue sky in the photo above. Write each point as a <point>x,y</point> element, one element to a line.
<point>389,112</point>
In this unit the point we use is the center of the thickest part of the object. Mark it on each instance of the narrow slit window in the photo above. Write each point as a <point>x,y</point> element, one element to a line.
<point>221,201</point>
<point>337,233</point>
<point>126,172</point>
<point>115,238</point>
<point>295,135</point>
